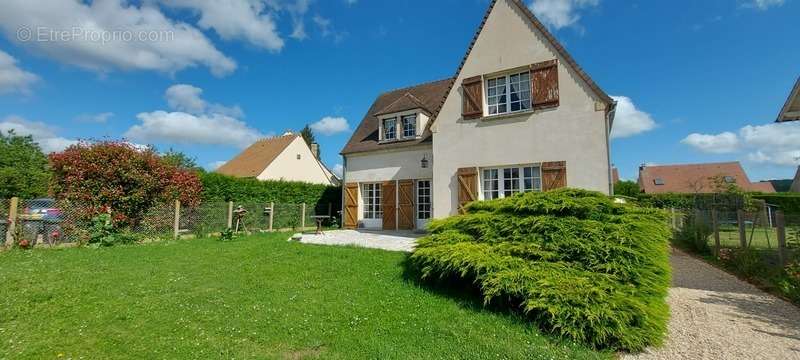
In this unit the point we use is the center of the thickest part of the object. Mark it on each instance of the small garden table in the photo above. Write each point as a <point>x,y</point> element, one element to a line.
<point>320,219</point>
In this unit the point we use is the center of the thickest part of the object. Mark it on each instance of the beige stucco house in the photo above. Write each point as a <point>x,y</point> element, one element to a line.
<point>796,183</point>
<point>519,115</point>
<point>286,157</point>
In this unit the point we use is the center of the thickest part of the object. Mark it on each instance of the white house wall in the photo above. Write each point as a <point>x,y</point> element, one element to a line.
<point>287,167</point>
<point>379,166</point>
<point>574,132</point>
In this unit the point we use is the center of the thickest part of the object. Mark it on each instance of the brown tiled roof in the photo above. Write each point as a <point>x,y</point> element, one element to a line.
<point>365,138</point>
<point>614,175</point>
<point>694,178</point>
<point>762,186</point>
<point>792,104</point>
<point>403,103</point>
<point>254,160</point>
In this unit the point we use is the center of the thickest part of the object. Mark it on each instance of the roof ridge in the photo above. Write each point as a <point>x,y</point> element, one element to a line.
<point>695,164</point>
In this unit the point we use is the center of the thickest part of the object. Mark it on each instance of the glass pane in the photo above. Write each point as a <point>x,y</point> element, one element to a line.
<point>514,97</point>
<point>515,106</point>
<point>501,81</point>
<point>502,108</point>
<point>528,185</point>
<point>537,184</point>
<point>527,172</point>
<point>492,83</point>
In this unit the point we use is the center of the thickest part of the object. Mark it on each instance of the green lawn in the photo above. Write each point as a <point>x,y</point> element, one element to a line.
<point>258,297</point>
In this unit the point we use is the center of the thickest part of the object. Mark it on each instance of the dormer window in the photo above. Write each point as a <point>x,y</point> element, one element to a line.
<point>729,179</point>
<point>409,126</point>
<point>390,129</point>
<point>508,93</point>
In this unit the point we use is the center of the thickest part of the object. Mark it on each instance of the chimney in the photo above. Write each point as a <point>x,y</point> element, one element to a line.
<point>315,150</point>
<point>642,166</point>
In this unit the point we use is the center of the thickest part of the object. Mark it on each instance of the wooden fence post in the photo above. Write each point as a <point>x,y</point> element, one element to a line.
<point>176,229</point>
<point>271,214</point>
<point>230,214</point>
<point>742,228</point>
<point>780,223</point>
<point>715,225</point>
<point>303,218</point>
<point>12,221</point>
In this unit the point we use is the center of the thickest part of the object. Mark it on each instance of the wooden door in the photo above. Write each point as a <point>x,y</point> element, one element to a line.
<point>389,205</point>
<point>405,205</point>
<point>350,206</point>
<point>467,187</point>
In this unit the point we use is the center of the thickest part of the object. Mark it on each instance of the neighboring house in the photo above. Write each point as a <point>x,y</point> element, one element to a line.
<point>791,110</point>
<point>796,184</point>
<point>286,157</point>
<point>696,178</point>
<point>519,115</point>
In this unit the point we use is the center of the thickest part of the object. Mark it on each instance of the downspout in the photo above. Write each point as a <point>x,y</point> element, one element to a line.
<point>611,111</point>
<point>344,184</point>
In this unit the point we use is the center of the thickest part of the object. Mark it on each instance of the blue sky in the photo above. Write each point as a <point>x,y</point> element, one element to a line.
<point>697,81</point>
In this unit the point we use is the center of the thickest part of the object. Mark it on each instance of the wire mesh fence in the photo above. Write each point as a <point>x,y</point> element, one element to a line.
<point>48,222</point>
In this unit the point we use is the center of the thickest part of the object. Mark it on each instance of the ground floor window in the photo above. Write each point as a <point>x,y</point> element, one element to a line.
<point>423,199</point>
<point>506,181</point>
<point>372,201</point>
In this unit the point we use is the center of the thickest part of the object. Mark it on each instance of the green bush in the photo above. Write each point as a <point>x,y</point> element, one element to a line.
<point>218,187</point>
<point>694,235</point>
<point>576,263</point>
<point>104,233</point>
<point>788,202</point>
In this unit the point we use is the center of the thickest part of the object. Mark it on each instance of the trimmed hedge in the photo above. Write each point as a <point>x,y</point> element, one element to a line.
<point>787,202</point>
<point>218,187</point>
<point>573,261</point>
<point>692,201</point>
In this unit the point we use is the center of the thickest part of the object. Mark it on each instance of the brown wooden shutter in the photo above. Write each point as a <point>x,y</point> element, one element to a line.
<point>554,175</point>
<point>389,205</point>
<point>350,206</point>
<point>472,98</point>
<point>405,205</point>
<point>467,187</point>
<point>544,84</point>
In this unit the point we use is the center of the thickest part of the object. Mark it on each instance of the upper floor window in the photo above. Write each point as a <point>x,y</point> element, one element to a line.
<point>508,93</point>
<point>409,126</point>
<point>390,129</point>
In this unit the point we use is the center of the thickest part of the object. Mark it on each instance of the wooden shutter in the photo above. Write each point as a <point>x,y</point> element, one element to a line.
<point>544,83</point>
<point>405,205</point>
<point>389,205</point>
<point>467,187</point>
<point>350,206</point>
<point>554,175</point>
<point>472,98</point>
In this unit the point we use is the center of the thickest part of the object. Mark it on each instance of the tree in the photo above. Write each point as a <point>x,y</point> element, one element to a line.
<point>626,188</point>
<point>181,161</point>
<point>308,136</point>
<point>23,167</point>
<point>117,176</point>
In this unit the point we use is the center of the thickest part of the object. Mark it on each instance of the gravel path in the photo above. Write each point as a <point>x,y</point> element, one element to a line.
<point>393,241</point>
<point>717,316</point>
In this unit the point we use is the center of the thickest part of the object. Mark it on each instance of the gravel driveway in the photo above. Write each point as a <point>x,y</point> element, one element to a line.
<point>717,316</point>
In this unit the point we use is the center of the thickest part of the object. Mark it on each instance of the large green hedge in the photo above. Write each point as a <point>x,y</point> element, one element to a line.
<point>788,202</point>
<point>217,187</point>
<point>576,263</point>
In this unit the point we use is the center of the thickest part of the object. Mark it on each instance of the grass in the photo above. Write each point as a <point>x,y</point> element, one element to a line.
<point>256,297</point>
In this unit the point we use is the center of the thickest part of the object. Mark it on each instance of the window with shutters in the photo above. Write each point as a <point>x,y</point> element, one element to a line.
<point>507,181</point>
<point>390,129</point>
<point>409,126</point>
<point>372,201</point>
<point>508,93</point>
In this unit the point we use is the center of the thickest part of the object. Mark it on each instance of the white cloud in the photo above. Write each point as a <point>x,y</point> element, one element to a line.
<point>763,4</point>
<point>630,121</point>
<point>297,11</point>
<point>194,121</point>
<point>338,170</point>
<point>560,13</point>
<point>327,29</point>
<point>723,143</point>
<point>236,20</point>
<point>177,45</point>
<point>331,125</point>
<point>42,133</point>
<point>776,143</point>
<point>215,165</point>
<point>100,118</point>
<point>12,78</point>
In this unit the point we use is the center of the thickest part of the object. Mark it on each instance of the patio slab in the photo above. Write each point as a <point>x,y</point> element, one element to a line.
<point>386,240</point>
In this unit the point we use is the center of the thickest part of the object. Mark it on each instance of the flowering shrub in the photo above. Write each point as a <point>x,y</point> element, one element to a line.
<point>119,177</point>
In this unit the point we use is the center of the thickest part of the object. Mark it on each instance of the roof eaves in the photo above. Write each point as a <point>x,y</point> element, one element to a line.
<point>794,94</point>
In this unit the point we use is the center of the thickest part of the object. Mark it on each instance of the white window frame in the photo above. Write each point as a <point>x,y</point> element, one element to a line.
<point>414,118</point>
<point>424,209</point>
<point>496,92</point>
<point>384,128</point>
<point>492,177</point>
<point>372,193</point>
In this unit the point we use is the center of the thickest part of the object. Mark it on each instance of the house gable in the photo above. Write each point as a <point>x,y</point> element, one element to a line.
<point>296,162</point>
<point>252,161</point>
<point>791,109</point>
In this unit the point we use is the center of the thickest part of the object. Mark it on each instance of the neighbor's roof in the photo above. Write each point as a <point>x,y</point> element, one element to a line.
<point>791,110</point>
<point>426,97</point>
<point>695,178</point>
<point>255,159</point>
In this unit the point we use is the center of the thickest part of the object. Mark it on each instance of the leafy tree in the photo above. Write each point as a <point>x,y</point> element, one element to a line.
<point>23,167</point>
<point>116,176</point>
<point>181,161</point>
<point>627,188</point>
<point>308,135</point>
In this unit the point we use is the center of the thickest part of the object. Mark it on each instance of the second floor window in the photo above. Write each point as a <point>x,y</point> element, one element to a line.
<point>390,129</point>
<point>509,93</point>
<point>410,126</point>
